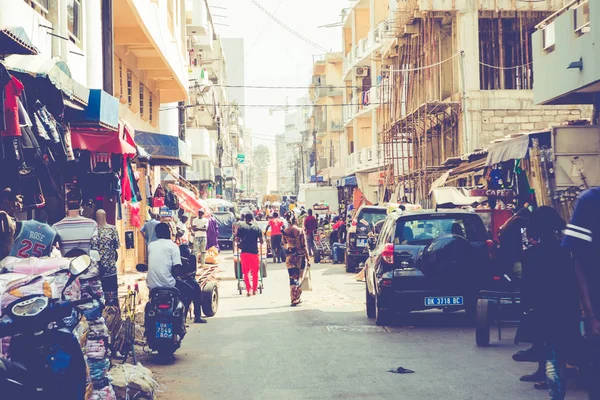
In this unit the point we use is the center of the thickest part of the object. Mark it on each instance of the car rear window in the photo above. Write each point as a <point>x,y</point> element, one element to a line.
<point>423,230</point>
<point>371,216</point>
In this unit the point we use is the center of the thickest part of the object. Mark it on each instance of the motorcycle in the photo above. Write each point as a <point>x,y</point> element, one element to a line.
<point>164,319</point>
<point>46,359</point>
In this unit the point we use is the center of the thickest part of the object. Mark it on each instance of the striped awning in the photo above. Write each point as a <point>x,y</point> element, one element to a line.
<point>14,40</point>
<point>56,71</point>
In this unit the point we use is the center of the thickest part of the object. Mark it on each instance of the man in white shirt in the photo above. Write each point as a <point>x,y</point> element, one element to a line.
<point>199,227</point>
<point>163,256</point>
<point>182,230</point>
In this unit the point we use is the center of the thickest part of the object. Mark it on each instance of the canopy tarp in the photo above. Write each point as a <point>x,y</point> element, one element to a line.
<point>515,147</point>
<point>14,40</point>
<point>188,200</point>
<point>452,196</point>
<point>225,221</point>
<point>101,141</point>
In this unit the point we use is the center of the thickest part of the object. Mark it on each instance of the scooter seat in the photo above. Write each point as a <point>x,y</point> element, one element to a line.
<point>164,290</point>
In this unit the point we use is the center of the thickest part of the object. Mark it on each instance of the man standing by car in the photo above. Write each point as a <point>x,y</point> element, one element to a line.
<point>200,227</point>
<point>247,238</point>
<point>581,237</point>
<point>310,226</point>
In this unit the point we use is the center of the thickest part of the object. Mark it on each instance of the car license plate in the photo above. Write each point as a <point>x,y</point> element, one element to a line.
<point>361,242</point>
<point>443,301</point>
<point>164,330</point>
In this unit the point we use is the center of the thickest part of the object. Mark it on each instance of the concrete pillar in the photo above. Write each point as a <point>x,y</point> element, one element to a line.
<point>92,27</point>
<point>467,24</point>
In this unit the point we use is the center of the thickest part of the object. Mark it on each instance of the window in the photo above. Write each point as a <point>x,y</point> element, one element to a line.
<point>141,100</point>
<point>170,15</point>
<point>421,231</point>
<point>119,74</point>
<point>150,108</point>
<point>129,88</point>
<point>74,20</point>
<point>41,6</point>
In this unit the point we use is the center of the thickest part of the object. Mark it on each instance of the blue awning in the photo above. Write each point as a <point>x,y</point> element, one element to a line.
<point>101,111</point>
<point>349,180</point>
<point>164,149</point>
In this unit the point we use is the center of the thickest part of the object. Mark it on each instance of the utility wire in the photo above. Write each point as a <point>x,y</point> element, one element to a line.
<point>286,87</point>
<point>425,66</point>
<point>287,28</point>
<point>275,105</point>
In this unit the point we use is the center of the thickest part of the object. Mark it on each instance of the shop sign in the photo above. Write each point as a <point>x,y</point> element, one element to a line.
<point>500,193</point>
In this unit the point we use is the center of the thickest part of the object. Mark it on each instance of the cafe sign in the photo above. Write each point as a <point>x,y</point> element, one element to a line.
<point>498,193</point>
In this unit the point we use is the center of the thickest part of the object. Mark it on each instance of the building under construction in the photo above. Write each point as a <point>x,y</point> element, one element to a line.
<point>457,75</point>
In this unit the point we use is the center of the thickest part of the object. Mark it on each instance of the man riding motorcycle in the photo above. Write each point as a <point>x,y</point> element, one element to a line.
<point>165,269</point>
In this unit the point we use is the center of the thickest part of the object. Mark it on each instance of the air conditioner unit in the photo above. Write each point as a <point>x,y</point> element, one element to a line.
<point>362,71</point>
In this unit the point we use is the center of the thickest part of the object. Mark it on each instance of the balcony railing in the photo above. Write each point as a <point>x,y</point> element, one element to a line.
<point>366,46</point>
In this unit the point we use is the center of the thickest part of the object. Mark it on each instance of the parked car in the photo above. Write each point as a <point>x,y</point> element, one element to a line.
<point>365,219</point>
<point>424,260</point>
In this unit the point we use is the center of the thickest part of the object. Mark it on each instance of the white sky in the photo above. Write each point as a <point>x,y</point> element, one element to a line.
<point>276,57</point>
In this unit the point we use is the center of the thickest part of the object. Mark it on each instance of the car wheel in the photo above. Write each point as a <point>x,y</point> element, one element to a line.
<point>350,264</point>
<point>382,317</point>
<point>210,299</point>
<point>482,328</point>
<point>371,313</point>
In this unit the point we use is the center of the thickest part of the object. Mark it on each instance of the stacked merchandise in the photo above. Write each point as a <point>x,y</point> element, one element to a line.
<point>96,350</point>
<point>133,381</point>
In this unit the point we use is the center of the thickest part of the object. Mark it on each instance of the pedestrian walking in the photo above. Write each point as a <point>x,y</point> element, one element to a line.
<point>511,240</point>
<point>296,257</point>
<point>212,233</point>
<point>183,233</point>
<point>200,227</point>
<point>248,236</point>
<point>337,239</point>
<point>549,294</point>
<point>74,232</point>
<point>276,225</point>
<point>581,238</point>
<point>310,226</point>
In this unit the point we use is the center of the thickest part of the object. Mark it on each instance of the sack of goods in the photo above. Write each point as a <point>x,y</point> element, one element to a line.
<point>133,381</point>
<point>212,256</point>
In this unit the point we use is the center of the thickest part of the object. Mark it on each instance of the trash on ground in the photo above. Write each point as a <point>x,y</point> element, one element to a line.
<point>401,370</point>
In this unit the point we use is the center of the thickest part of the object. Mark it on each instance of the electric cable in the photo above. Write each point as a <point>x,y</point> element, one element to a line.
<point>276,105</point>
<point>287,28</point>
<point>425,66</point>
<point>505,68</point>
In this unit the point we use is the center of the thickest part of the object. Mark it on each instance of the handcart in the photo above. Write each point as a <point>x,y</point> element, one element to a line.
<point>502,308</point>
<point>322,248</point>
<point>241,285</point>
<point>209,289</point>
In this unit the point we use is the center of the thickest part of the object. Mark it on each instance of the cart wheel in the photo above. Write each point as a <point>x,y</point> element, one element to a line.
<point>263,268</point>
<point>260,288</point>
<point>482,329</point>
<point>237,269</point>
<point>210,299</point>
<point>317,256</point>
<point>240,288</point>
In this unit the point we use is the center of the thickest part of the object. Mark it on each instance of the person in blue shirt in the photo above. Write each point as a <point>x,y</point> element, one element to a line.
<point>582,238</point>
<point>149,227</point>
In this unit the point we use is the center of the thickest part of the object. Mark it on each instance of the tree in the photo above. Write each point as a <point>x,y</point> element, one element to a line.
<point>261,158</point>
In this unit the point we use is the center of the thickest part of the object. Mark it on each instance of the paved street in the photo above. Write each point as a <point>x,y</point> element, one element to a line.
<point>261,348</point>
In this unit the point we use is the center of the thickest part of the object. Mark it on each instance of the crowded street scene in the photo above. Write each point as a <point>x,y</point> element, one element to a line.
<point>273,199</point>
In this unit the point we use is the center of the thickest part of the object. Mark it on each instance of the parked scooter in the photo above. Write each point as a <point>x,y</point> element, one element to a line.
<point>164,319</point>
<point>46,360</point>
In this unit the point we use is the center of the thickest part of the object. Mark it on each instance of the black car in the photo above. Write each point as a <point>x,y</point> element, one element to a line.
<point>365,219</point>
<point>424,260</point>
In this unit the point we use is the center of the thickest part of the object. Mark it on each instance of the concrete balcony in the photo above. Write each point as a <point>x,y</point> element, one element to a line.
<point>147,29</point>
<point>203,142</point>
<point>364,48</point>
<point>366,159</point>
<point>321,92</point>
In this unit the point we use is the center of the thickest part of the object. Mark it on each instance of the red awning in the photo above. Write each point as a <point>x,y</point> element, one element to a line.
<point>101,141</point>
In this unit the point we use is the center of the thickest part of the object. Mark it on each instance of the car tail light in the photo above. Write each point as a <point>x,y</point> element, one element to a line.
<point>164,306</point>
<point>491,247</point>
<point>354,222</point>
<point>386,282</point>
<point>388,253</point>
<point>497,278</point>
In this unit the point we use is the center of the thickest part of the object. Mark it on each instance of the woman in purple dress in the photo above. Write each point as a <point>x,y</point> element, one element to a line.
<point>212,233</point>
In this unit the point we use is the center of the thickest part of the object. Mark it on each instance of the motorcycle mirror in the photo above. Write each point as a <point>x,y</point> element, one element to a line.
<point>79,265</point>
<point>141,268</point>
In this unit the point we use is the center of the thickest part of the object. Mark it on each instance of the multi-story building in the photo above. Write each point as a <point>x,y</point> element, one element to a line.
<point>457,76</point>
<point>289,148</point>
<point>326,92</point>
<point>236,74</point>
<point>366,27</point>
<point>208,113</point>
<point>130,60</point>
